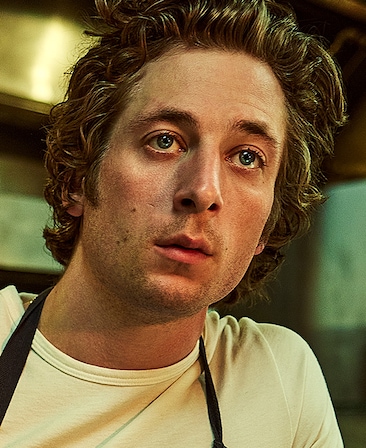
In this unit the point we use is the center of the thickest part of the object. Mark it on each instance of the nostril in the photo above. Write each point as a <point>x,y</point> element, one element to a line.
<point>189,203</point>
<point>213,207</point>
<point>186,202</point>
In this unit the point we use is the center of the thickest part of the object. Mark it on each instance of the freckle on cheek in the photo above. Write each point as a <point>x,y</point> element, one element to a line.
<point>125,238</point>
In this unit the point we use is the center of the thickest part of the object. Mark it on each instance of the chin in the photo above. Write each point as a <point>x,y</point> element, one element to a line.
<point>167,303</point>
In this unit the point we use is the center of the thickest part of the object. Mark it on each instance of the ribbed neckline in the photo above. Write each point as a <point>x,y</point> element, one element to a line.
<point>87,372</point>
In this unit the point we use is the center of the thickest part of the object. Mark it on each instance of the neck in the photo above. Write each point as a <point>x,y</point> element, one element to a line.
<point>101,332</point>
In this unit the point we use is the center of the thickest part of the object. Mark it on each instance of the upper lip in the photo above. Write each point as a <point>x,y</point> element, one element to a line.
<point>187,242</point>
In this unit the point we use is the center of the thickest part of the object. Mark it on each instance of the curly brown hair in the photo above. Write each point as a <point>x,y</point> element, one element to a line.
<point>130,33</point>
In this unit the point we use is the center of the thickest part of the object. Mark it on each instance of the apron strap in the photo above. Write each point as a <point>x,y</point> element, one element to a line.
<point>212,402</point>
<point>14,356</point>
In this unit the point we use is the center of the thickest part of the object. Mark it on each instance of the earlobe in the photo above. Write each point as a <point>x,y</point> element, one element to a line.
<point>75,208</point>
<point>259,249</point>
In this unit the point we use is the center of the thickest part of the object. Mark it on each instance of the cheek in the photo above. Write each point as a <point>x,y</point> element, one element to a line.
<point>132,185</point>
<point>245,229</point>
<point>251,215</point>
<point>233,269</point>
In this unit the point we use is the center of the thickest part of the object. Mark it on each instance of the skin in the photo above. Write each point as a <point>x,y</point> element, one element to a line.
<point>185,190</point>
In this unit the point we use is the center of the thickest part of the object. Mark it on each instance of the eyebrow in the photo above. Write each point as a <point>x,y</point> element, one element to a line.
<point>182,118</point>
<point>171,115</point>
<point>257,128</point>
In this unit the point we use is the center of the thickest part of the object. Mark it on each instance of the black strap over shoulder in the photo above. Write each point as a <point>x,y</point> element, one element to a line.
<point>14,356</point>
<point>212,402</point>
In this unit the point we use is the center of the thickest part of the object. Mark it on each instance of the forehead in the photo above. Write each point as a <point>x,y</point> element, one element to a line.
<point>215,87</point>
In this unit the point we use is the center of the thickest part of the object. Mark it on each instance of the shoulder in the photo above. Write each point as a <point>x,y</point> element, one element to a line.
<point>11,310</point>
<point>10,301</point>
<point>271,364</point>
<point>244,347</point>
<point>243,334</point>
<point>278,350</point>
<point>10,297</point>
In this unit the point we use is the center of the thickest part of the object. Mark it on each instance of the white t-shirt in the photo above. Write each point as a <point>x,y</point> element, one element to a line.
<point>270,389</point>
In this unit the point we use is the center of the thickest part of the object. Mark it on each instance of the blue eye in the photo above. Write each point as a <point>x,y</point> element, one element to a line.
<point>164,141</point>
<point>247,157</point>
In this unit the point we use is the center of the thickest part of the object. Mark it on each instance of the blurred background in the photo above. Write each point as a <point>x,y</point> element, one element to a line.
<point>321,289</point>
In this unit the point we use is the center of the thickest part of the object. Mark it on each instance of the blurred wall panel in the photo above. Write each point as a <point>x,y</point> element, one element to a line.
<point>35,52</point>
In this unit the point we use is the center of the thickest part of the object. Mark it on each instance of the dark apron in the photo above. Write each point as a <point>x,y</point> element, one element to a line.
<point>16,351</point>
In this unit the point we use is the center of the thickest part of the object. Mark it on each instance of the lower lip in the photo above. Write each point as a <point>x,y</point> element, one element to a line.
<point>182,255</point>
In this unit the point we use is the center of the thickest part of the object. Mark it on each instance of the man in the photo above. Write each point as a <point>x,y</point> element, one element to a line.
<point>185,156</point>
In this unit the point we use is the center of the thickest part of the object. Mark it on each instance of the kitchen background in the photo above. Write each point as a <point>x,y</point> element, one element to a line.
<point>321,289</point>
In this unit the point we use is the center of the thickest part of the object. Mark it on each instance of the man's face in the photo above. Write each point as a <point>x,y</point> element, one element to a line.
<point>187,184</point>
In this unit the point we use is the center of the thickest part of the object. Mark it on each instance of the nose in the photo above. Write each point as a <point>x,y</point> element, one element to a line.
<point>199,185</point>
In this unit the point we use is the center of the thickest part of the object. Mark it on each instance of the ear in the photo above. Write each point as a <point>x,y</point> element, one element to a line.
<point>259,249</point>
<point>75,208</point>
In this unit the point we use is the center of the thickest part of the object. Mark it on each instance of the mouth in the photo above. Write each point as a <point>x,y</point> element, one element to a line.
<point>185,249</point>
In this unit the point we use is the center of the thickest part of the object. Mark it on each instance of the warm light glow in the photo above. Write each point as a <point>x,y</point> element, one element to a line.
<point>35,52</point>
<point>52,58</point>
